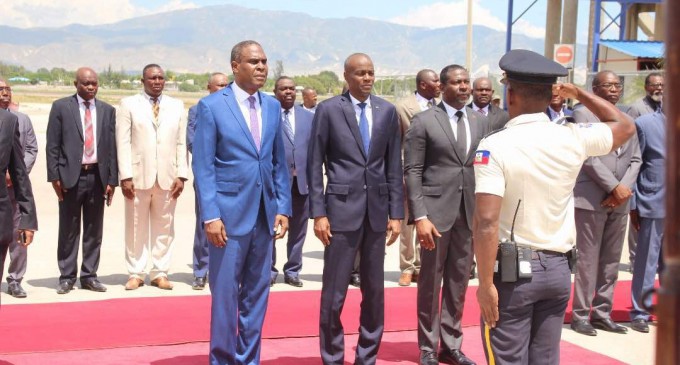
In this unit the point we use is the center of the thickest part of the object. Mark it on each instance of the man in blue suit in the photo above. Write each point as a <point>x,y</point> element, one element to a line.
<point>296,125</point>
<point>557,108</point>
<point>647,214</point>
<point>357,137</point>
<point>216,82</point>
<point>239,163</point>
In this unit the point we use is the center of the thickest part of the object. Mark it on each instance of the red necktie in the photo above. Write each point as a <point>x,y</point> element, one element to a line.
<point>89,131</point>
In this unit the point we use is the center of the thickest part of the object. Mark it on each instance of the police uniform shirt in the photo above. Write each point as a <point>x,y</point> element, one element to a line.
<point>538,162</point>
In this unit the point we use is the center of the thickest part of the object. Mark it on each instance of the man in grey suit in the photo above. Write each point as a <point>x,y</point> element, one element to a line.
<point>11,160</point>
<point>648,214</point>
<point>482,92</point>
<point>425,97</point>
<point>601,196</point>
<point>296,124</point>
<point>651,102</point>
<point>18,252</point>
<point>438,156</point>
<point>216,82</point>
<point>356,137</point>
<point>83,170</point>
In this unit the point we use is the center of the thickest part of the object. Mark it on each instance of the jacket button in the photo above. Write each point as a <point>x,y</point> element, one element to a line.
<point>460,188</point>
<point>364,187</point>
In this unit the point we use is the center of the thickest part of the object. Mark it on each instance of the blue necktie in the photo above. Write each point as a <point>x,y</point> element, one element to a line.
<point>363,128</point>
<point>287,128</point>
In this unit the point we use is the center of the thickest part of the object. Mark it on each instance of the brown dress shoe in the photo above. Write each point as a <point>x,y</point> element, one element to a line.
<point>133,283</point>
<point>405,279</point>
<point>162,283</point>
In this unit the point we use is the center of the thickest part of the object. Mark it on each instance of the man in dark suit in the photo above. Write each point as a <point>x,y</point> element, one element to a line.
<point>296,124</point>
<point>356,136</point>
<point>557,108</point>
<point>11,160</point>
<point>217,82</point>
<point>601,197</point>
<point>482,93</point>
<point>441,184</point>
<point>648,213</point>
<point>242,181</point>
<point>18,253</point>
<point>83,170</point>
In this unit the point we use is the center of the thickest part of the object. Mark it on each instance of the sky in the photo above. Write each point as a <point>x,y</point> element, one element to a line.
<point>427,13</point>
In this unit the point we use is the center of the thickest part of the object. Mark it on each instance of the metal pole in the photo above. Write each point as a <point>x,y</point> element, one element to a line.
<point>468,45</point>
<point>508,31</point>
<point>596,35</point>
<point>668,309</point>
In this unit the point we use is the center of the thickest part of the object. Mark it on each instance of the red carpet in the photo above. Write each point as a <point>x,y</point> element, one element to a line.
<point>396,348</point>
<point>177,320</point>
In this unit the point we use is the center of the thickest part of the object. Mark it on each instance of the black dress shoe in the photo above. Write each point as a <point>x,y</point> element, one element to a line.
<point>583,327</point>
<point>198,283</point>
<point>64,287</point>
<point>428,358</point>
<point>640,325</point>
<point>14,289</point>
<point>93,284</point>
<point>455,357</point>
<point>355,281</point>
<point>294,281</point>
<point>608,325</point>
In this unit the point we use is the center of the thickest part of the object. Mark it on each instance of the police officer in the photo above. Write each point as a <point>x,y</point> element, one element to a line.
<point>533,164</point>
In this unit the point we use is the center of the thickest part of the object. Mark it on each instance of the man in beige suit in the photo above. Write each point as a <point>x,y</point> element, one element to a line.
<point>427,90</point>
<point>152,165</point>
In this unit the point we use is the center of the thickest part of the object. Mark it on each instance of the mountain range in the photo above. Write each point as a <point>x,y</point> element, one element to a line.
<point>200,40</point>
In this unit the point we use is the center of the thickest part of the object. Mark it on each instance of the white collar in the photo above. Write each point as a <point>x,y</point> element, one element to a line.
<point>451,111</point>
<point>356,101</point>
<point>241,95</point>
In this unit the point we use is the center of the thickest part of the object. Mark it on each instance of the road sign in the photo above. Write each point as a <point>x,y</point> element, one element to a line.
<point>564,55</point>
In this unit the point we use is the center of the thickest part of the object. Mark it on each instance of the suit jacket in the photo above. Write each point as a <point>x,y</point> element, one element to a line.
<point>296,152</point>
<point>406,108</point>
<point>191,127</point>
<point>65,142</point>
<point>650,190</point>
<point>358,183</point>
<point>497,117</point>
<point>11,159</point>
<point>600,175</point>
<point>641,107</point>
<point>233,178</point>
<point>29,143</point>
<point>437,178</point>
<point>150,152</point>
<point>568,112</point>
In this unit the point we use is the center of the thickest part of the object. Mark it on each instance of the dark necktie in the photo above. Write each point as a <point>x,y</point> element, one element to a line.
<point>89,131</point>
<point>461,135</point>
<point>254,126</point>
<point>363,128</point>
<point>287,127</point>
<point>156,107</point>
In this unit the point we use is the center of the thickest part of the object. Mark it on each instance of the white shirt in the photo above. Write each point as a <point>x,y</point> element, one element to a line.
<point>243,103</point>
<point>308,109</point>
<point>423,102</point>
<point>93,113</point>
<point>149,98</point>
<point>538,162</point>
<point>483,111</point>
<point>451,111</point>
<point>369,113</point>
<point>554,115</point>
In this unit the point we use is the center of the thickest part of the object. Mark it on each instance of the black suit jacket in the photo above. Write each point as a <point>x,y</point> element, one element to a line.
<point>65,142</point>
<point>12,160</point>
<point>497,117</point>
<point>357,183</point>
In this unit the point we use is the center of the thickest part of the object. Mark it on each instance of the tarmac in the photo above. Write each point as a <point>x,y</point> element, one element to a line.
<point>42,275</point>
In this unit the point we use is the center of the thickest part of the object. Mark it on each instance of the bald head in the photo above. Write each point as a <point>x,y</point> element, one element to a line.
<point>482,92</point>
<point>309,97</point>
<point>217,82</point>
<point>427,84</point>
<point>607,85</point>
<point>86,83</point>
<point>360,75</point>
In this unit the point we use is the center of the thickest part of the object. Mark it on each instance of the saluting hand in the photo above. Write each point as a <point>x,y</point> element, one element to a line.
<point>566,90</point>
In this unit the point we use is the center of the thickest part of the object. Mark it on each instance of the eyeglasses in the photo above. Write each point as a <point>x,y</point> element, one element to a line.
<point>611,86</point>
<point>656,85</point>
<point>5,88</point>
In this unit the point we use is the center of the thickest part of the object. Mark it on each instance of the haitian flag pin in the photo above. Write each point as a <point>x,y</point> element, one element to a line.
<point>482,157</point>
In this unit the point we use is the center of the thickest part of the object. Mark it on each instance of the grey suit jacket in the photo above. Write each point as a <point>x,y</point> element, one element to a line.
<point>650,190</point>
<point>11,159</point>
<point>497,117</point>
<point>600,175</point>
<point>29,143</point>
<point>641,107</point>
<point>437,178</point>
<point>296,151</point>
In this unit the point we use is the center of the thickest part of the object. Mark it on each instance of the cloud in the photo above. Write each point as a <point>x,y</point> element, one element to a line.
<point>50,13</point>
<point>447,14</point>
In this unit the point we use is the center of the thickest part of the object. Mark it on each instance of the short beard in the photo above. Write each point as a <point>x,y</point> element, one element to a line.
<point>656,97</point>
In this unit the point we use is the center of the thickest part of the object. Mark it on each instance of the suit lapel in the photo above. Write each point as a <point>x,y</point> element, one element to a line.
<point>230,99</point>
<point>75,110</point>
<point>351,119</point>
<point>265,119</point>
<point>444,122</point>
<point>100,119</point>
<point>474,131</point>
